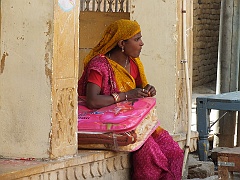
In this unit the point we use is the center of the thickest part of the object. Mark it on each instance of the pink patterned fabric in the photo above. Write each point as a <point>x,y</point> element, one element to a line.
<point>160,158</point>
<point>101,65</point>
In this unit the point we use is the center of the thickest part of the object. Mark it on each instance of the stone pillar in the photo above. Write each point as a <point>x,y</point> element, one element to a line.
<point>38,75</point>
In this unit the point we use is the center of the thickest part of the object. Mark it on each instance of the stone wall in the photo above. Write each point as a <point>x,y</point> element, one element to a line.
<point>38,75</point>
<point>206,23</point>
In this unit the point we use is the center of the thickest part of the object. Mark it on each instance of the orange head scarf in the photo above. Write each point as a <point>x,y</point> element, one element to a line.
<point>122,29</point>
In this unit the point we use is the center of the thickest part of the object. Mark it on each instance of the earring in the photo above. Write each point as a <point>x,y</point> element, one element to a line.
<point>122,48</point>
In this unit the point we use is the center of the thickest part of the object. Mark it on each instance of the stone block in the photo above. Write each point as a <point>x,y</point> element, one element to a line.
<point>199,169</point>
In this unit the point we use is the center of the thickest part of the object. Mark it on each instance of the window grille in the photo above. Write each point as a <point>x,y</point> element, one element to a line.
<point>104,5</point>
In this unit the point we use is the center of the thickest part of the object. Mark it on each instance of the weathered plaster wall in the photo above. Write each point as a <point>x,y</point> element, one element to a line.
<point>39,69</point>
<point>25,88</point>
<point>161,55</point>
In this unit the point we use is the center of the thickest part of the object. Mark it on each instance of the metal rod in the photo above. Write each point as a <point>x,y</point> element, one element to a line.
<point>218,120</point>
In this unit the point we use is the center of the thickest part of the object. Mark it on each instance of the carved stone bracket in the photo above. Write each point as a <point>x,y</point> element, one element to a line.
<point>63,136</point>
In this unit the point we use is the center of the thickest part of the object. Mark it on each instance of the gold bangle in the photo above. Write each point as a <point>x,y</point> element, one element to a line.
<point>116,97</point>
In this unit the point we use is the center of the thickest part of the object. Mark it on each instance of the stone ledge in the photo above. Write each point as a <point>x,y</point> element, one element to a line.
<point>87,164</point>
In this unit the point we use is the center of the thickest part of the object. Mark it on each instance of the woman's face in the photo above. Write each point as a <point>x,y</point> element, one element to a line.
<point>133,46</point>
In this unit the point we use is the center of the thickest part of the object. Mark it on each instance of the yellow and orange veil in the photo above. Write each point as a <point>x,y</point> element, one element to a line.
<point>122,29</point>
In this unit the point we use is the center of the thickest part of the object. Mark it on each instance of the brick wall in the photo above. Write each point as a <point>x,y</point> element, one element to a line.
<point>206,23</point>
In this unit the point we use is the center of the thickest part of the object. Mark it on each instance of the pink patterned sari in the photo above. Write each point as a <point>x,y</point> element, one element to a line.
<point>159,158</point>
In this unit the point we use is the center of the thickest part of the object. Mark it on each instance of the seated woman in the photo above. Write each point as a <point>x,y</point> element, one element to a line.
<point>112,73</point>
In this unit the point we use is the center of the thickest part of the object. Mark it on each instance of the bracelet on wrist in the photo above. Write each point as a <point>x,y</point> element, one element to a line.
<point>126,96</point>
<point>116,97</point>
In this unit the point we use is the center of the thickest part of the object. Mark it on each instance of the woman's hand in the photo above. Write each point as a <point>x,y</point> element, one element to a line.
<point>150,90</point>
<point>147,91</point>
<point>137,93</point>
